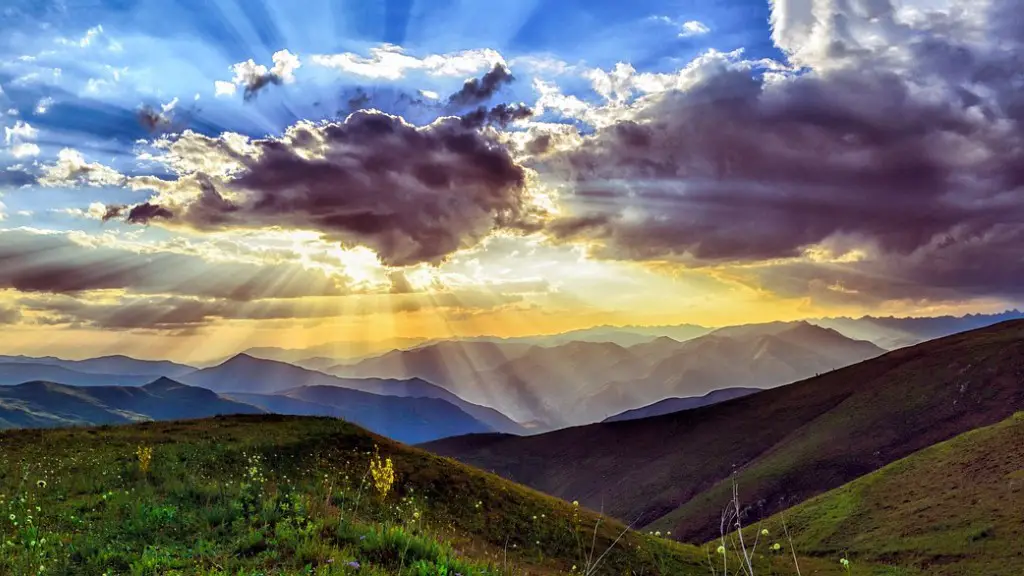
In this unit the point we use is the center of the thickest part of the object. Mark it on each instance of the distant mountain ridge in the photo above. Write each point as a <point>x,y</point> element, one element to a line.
<point>583,382</point>
<point>46,404</point>
<point>116,364</point>
<point>671,405</point>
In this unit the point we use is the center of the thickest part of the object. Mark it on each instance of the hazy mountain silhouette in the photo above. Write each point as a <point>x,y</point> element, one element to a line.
<point>246,374</point>
<point>47,404</point>
<point>117,364</point>
<point>408,420</point>
<point>21,372</point>
<point>670,405</point>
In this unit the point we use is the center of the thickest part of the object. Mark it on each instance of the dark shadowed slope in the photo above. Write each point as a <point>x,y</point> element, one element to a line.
<point>21,372</point>
<point>245,374</point>
<point>953,508</point>
<point>670,405</point>
<point>46,404</point>
<point>410,420</point>
<point>787,444</point>
<point>105,365</point>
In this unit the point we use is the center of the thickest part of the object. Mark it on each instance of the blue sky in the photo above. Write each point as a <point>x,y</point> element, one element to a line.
<point>114,56</point>
<point>711,162</point>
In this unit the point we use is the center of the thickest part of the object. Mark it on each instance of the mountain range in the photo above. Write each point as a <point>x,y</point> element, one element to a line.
<point>782,446</point>
<point>46,404</point>
<point>585,382</point>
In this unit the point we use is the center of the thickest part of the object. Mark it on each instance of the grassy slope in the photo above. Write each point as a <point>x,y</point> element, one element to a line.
<point>954,508</point>
<point>786,444</point>
<point>201,510</point>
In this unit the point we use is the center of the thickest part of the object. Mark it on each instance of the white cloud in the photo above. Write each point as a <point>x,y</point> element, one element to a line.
<point>170,105</point>
<point>693,28</point>
<point>44,105</point>
<point>19,132</point>
<point>24,150</point>
<point>249,73</point>
<point>390,62</point>
<point>71,169</point>
<point>222,88</point>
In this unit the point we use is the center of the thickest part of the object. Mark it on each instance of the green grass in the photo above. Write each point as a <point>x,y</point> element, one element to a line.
<point>955,508</point>
<point>248,495</point>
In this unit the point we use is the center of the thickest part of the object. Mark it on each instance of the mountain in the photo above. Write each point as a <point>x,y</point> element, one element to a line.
<point>46,404</point>
<point>584,382</point>
<point>273,494</point>
<point>622,335</point>
<point>338,352</point>
<point>670,405</point>
<point>246,374</point>
<point>122,365</point>
<point>411,420</point>
<point>890,332</point>
<point>19,372</point>
<point>753,356</point>
<point>784,445</point>
<point>953,508</point>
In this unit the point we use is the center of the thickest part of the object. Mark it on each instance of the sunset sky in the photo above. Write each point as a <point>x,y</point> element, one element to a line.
<point>189,178</point>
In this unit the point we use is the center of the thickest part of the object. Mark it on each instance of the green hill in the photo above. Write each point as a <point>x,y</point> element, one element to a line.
<point>952,509</point>
<point>783,445</point>
<point>248,495</point>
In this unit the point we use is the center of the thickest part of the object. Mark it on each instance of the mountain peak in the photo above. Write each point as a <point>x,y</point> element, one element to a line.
<point>163,383</point>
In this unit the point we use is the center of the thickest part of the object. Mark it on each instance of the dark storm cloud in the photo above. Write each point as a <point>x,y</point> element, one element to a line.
<point>739,169</point>
<point>479,90</point>
<point>32,262</point>
<point>412,194</point>
<point>501,115</point>
<point>257,82</point>
<point>145,212</point>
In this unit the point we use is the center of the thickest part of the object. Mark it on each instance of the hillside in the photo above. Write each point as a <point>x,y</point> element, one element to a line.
<point>409,420</point>
<point>670,405</point>
<point>282,495</point>
<point>786,444</point>
<point>950,509</point>
<point>46,404</point>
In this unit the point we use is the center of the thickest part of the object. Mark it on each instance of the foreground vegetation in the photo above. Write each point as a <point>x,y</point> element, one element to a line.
<point>249,495</point>
<point>952,509</point>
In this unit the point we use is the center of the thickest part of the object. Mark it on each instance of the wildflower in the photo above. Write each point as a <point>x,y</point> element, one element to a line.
<point>845,563</point>
<point>658,533</point>
<point>721,549</point>
<point>353,564</point>
<point>383,472</point>
<point>576,503</point>
<point>13,517</point>
<point>764,532</point>
<point>41,483</point>
<point>776,547</point>
<point>416,515</point>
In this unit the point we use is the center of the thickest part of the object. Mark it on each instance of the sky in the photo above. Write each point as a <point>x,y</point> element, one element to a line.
<point>189,178</point>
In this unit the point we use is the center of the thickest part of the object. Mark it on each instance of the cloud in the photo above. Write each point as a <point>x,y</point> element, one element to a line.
<point>17,137</point>
<point>693,28</point>
<point>412,194</point>
<point>480,90</point>
<point>9,315</point>
<point>255,77</point>
<point>390,62</point>
<point>59,263</point>
<point>222,88</point>
<point>24,150</point>
<point>902,141</point>
<point>71,170</point>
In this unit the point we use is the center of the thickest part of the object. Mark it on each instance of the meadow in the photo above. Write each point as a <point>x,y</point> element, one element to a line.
<point>261,495</point>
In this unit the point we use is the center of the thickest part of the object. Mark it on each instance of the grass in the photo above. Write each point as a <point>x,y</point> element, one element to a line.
<point>260,495</point>
<point>952,509</point>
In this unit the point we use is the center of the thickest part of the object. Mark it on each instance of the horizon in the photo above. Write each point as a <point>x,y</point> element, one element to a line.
<point>203,182</point>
